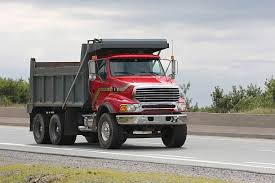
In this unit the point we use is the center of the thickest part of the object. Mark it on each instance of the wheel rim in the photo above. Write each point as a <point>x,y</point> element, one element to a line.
<point>105,131</point>
<point>56,131</point>
<point>38,128</point>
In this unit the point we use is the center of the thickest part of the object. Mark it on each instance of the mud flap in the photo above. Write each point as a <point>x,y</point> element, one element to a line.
<point>72,120</point>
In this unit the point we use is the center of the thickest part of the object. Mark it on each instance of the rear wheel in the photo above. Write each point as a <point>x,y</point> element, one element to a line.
<point>56,130</point>
<point>174,136</point>
<point>110,134</point>
<point>92,138</point>
<point>40,126</point>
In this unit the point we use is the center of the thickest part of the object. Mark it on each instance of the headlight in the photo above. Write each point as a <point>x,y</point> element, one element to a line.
<point>129,107</point>
<point>181,107</point>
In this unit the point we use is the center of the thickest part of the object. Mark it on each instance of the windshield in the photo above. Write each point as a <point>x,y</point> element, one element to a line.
<point>122,67</point>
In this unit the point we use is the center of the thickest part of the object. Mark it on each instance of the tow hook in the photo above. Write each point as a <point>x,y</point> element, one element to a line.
<point>174,119</point>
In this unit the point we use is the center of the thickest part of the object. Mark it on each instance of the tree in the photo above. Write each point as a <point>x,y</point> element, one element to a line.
<point>244,99</point>
<point>253,91</point>
<point>13,91</point>
<point>184,90</point>
<point>236,95</point>
<point>184,93</point>
<point>270,88</point>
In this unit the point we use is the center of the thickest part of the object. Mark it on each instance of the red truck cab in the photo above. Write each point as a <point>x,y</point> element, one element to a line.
<point>117,78</point>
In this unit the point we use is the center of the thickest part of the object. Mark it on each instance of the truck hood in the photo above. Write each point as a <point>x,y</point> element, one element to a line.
<point>150,80</point>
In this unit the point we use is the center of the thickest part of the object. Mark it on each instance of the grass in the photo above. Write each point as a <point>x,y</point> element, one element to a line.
<point>14,105</point>
<point>41,173</point>
<point>262,111</point>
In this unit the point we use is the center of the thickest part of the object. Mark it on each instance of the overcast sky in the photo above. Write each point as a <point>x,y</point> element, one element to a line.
<point>218,42</point>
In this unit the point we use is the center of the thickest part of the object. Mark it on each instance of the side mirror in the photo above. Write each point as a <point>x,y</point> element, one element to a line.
<point>174,66</point>
<point>92,70</point>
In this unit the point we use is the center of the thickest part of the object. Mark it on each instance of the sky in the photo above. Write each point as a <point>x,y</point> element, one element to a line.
<point>217,43</point>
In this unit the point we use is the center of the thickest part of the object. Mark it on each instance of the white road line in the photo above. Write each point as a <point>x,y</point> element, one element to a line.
<point>267,150</point>
<point>233,139</point>
<point>140,155</point>
<point>260,163</point>
<point>150,143</point>
<point>173,156</point>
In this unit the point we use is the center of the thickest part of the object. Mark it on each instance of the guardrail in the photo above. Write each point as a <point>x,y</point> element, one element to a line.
<point>200,123</point>
<point>232,119</point>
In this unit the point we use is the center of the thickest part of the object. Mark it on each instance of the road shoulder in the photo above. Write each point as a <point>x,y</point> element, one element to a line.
<point>12,157</point>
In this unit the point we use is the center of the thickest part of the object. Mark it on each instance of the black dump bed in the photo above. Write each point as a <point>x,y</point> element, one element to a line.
<point>65,84</point>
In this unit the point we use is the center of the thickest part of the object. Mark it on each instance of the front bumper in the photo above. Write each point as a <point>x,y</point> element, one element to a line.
<point>167,119</point>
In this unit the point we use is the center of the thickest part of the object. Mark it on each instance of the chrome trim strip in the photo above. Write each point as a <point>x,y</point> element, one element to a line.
<point>176,119</point>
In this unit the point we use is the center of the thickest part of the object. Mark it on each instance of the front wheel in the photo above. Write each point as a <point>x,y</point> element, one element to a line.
<point>57,133</point>
<point>174,136</point>
<point>110,134</point>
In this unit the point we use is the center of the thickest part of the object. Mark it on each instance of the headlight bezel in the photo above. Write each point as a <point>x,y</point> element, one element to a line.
<point>181,106</point>
<point>124,108</point>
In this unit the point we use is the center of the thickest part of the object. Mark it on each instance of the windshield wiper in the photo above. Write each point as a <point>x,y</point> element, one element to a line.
<point>154,73</point>
<point>124,73</point>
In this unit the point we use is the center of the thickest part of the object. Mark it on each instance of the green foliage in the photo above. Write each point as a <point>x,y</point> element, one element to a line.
<point>221,102</point>
<point>184,90</point>
<point>207,109</point>
<point>13,91</point>
<point>4,101</point>
<point>184,93</point>
<point>243,99</point>
<point>270,89</point>
<point>194,108</point>
<point>252,91</point>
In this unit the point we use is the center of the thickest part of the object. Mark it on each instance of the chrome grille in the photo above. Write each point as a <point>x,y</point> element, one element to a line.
<point>157,94</point>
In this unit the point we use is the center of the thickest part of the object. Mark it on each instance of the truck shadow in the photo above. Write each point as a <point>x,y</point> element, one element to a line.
<point>95,146</point>
<point>128,146</point>
<point>124,146</point>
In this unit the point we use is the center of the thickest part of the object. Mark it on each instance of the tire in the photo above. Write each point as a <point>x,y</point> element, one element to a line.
<point>40,126</point>
<point>57,133</point>
<point>115,138</point>
<point>174,136</point>
<point>92,138</point>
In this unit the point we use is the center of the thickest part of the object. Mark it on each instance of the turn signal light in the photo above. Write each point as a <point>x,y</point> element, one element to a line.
<point>123,108</point>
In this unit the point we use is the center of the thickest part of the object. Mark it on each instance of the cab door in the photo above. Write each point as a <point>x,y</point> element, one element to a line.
<point>99,86</point>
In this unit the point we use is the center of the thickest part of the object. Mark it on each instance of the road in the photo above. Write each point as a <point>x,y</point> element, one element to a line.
<point>256,155</point>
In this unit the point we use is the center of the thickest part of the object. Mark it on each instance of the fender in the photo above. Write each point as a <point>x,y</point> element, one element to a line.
<point>104,108</point>
<point>114,100</point>
<point>107,106</point>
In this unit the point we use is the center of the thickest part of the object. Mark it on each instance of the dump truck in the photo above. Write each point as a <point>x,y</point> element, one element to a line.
<point>120,89</point>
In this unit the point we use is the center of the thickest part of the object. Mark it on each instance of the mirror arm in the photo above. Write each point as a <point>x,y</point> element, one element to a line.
<point>167,67</point>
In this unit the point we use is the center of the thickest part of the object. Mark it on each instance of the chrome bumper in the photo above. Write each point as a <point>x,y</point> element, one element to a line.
<point>169,119</point>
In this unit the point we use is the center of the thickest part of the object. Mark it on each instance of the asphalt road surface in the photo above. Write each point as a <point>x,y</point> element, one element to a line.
<point>255,155</point>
